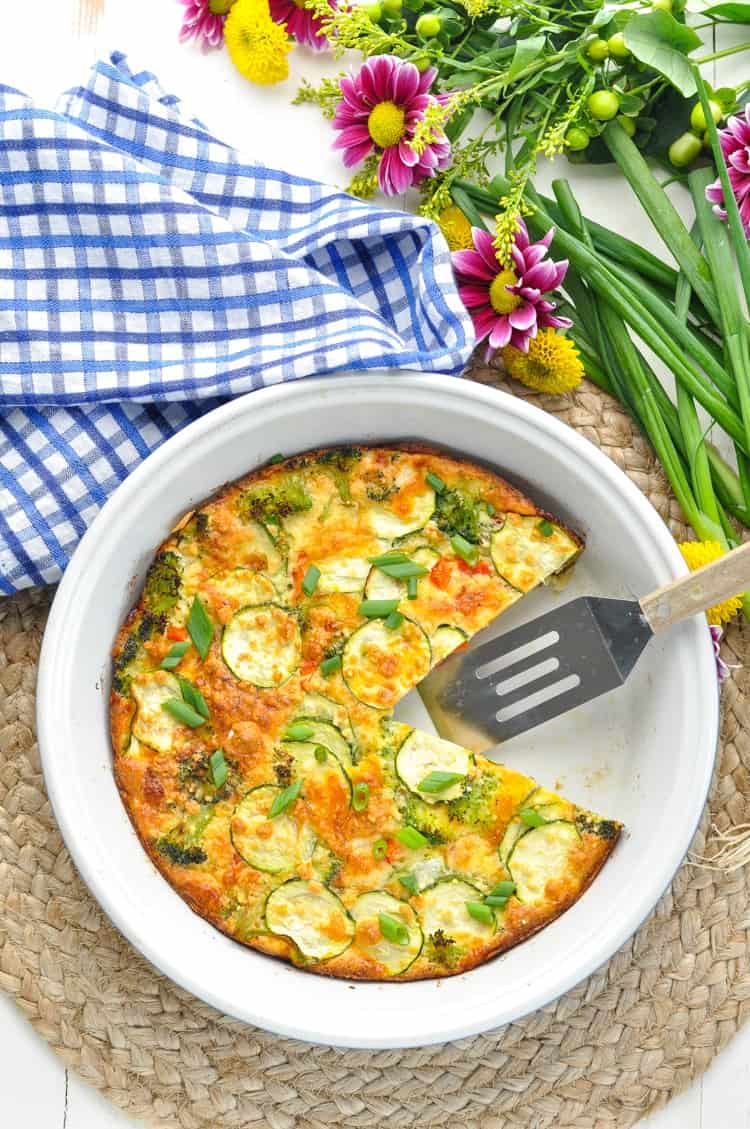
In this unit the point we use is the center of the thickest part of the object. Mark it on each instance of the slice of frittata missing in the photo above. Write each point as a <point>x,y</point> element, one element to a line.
<point>251,715</point>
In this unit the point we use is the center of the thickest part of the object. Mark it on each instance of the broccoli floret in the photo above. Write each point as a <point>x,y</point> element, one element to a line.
<point>457,512</point>
<point>201,523</point>
<point>476,806</point>
<point>283,767</point>
<point>195,781</point>
<point>338,463</point>
<point>128,654</point>
<point>431,819</point>
<point>269,503</point>
<point>181,845</point>
<point>443,950</point>
<point>179,854</point>
<point>590,824</point>
<point>163,582</point>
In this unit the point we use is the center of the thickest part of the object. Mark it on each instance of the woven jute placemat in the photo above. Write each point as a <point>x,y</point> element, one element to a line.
<point>620,1044</point>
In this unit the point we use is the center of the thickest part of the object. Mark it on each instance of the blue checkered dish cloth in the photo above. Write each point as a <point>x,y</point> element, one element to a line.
<point>148,273</point>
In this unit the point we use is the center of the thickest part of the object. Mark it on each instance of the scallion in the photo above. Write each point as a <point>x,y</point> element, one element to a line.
<point>409,882</point>
<point>285,799</point>
<point>277,458</point>
<point>436,483</point>
<point>438,781</point>
<point>328,666</point>
<point>411,587</point>
<point>393,621</point>
<point>377,609</point>
<point>480,912</point>
<point>546,528</point>
<point>464,549</point>
<point>174,656</point>
<point>298,731</point>
<point>393,556</point>
<point>360,795</point>
<point>496,901</point>
<point>218,766</point>
<point>200,627</point>
<point>411,838</point>
<point>321,754</point>
<point>403,570</point>
<point>310,580</point>
<point>503,889</point>
<point>393,930</point>
<point>192,695</point>
<point>531,818</point>
<point>380,848</point>
<point>183,712</point>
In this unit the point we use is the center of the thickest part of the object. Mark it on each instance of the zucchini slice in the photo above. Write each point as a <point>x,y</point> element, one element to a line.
<point>380,665</point>
<point>321,708</point>
<point>311,916</point>
<point>262,645</point>
<point>541,855</point>
<point>383,587</point>
<point>369,939</point>
<point>524,555</point>
<point>242,587</point>
<point>444,641</point>
<point>426,871</point>
<point>322,774</point>
<point>272,845</point>
<point>443,906</point>
<point>154,726</point>
<point>342,574</point>
<point>389,524</point>
<point>422,753</point>
<point>326,734</point>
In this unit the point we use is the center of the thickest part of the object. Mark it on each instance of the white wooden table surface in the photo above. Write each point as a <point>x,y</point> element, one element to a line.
<point>44,48</point>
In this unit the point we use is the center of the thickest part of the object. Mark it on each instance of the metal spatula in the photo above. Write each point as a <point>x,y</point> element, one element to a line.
<point>565,658</point>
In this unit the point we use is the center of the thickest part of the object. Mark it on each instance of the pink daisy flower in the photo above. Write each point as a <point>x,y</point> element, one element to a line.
<point>204,20</point>
<point>300,22</point>
<point>381,107</point>
<point>735,145</point>
<point>505,302</point>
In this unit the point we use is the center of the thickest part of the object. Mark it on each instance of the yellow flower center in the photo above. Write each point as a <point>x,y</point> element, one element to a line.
<point>456,229</point>
<point>501,299</point>
<point>386,124</point>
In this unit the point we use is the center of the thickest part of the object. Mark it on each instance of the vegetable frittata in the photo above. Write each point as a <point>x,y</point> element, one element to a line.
<point>255,746</point>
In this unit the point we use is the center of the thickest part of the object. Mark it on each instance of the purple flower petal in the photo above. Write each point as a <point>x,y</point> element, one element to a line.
<point>472,295</point>
<point>406,154</point>
<point>484,321</point>
<point>501,333</point>
<point>484,245</point>
<point>523,317</point>
<point>471,264</point>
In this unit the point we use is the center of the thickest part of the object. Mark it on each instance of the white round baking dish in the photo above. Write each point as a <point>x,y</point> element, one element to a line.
<point>643,754</point>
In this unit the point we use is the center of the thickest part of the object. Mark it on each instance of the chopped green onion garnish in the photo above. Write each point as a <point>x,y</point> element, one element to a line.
<point>321,754</point>
<point>411,838</point>
<point>496,901</point>
<point>218,766</point>
<point>530,817</point>
<point>395,556</point>
<point>192,695</point>
<point>183,712</point>
<point>394,621</point>
<point>380,848</point>
<point>436,483</point>
<point>503,890</point>
<point>481,912</point>
<point>285,799</point>
<point>546,528</point>
<point>393,929</point>
<point>403,570</point>
<point>200,628</point>
<point>376,609</point>
<point>360,795</point>
<point>329,665</point>
<point>437,781</point>
<point>411,587</point>
<point>489,508</point>
<point>464,549</point>
<point>298,731</point>
<point>310,580</point>
<point>278,458</point>
<point>409,882</point>
<point>174,656</point>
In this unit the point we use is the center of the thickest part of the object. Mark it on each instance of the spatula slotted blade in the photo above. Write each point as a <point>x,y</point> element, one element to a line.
<point>537,671</point>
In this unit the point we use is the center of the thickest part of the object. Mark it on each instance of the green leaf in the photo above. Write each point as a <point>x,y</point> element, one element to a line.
<point>657,39</point>
<point>527,50</point>
<point>732,13</point>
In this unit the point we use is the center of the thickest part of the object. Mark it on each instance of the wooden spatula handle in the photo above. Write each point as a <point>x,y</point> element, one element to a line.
<point>699,590</point>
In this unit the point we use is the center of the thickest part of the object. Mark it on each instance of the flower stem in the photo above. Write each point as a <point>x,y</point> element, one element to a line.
<point>721,54</point>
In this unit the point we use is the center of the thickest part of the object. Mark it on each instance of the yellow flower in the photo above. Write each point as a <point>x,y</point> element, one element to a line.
<point>552,363</point>
<point>700,553</point>
<point>257,46</point>
<point>456,229</point>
